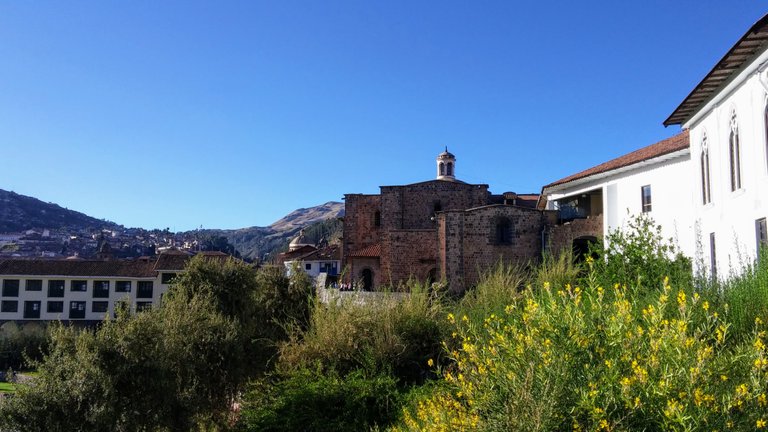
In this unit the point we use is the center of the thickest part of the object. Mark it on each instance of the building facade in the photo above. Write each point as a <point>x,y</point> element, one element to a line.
<point>86,291</point>
<point>442,229</point>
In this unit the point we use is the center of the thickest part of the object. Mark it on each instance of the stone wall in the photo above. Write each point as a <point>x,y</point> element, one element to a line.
<point>413,206</point>
<point>561,237</point>
<point>469,243</point>
<point>409,253</point>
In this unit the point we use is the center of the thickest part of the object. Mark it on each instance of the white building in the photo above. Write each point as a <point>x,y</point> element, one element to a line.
<point>652,180</point>
<point>727,117</point>
<point>84,290</point>
<point>707,186</point>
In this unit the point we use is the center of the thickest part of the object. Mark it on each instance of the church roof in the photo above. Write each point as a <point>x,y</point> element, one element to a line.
<point>371,251</point>
<point>669,145</point>
<point>739,56</point>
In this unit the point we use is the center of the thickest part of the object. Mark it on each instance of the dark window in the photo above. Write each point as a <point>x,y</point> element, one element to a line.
<point>735,156</point>
<point>367,279</point>
<point>308,266</point>
<point>437,207</point>
<point>76,309</point>
<point>645,193</point>
<point>501,231</point>
<point>377,219</point>
<point>78,285</point>
<point>123,286</point>
<point>9,306</point>
<point>761,233</point>
<point>442,169</point>
<point>99,306</point>
<point>712,255</point>
<point>167,278</point>
<point>10,288</point>
<point>55,306</point>
<point>33,285</point>
<point>144,289</point>
<point>31,309</point>
<point>706,196</point>
<point>55,288</point>
<point>142,306</point>
<point>449,169</point>
<point>100,289</point>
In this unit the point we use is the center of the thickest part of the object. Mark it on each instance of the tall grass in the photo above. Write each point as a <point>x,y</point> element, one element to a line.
<point>746,295</point>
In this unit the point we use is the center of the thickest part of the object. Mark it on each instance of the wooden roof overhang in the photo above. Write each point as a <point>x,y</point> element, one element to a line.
<point>738,57</point>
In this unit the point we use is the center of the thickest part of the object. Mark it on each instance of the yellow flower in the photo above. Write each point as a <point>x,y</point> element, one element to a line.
<point>430,363</point>
<point>705,305</point>
<point>760,423</point>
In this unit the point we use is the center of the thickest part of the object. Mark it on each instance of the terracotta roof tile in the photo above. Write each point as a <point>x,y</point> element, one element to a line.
<point>371,251</point>
<point>77,268</point>
<point>669,145</point>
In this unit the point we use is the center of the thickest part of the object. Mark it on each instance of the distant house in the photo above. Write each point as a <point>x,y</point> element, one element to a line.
<point>85,290</point>
<point>311,259</point>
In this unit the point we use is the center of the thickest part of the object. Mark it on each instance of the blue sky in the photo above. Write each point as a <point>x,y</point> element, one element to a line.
<point>231,114</point>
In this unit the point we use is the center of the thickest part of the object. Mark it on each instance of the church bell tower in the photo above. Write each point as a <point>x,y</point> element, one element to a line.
<point>446,166</point>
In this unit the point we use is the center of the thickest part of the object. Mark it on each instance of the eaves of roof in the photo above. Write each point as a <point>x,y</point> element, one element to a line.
<point>746,49</point>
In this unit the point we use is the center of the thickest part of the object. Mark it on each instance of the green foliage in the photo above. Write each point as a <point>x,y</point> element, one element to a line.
<point>20,343</point>
<point>393,331</point>
<point>599,359</point>
<point>177,367</point>
<point>317,400</point>
<point>746,295</point>
<point>497,287</point>
<point>640,257</point>
<point>558,271</point>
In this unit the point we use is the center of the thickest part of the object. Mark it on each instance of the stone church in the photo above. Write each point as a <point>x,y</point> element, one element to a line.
<point>441,229</point>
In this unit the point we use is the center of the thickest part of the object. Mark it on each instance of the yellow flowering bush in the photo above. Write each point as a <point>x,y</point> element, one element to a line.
<point>598,359</point>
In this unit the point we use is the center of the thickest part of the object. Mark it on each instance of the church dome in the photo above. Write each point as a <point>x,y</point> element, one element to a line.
<point>300,241</point>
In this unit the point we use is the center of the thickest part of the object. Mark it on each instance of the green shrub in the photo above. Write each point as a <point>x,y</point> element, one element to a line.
<point>599,359</point>
<point>746,295</point>
<point>389,331</point>
<point>321,400</point>
<point>640,257</point>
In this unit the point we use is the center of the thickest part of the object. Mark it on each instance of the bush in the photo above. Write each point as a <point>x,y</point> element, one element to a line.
<point>746,296</point>
<point>391,331</point>
<point>318,400</point>
<point>640,257</point>
<point>599,359</point>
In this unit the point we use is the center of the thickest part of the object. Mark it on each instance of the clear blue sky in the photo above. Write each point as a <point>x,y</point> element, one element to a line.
<point>231,114</point>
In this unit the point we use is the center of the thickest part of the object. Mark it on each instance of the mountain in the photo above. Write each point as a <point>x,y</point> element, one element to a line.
<point>321,223</point>
<point>21,212</point>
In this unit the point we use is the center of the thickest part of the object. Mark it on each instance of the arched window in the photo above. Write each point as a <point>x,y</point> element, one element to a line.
<point>706,196</point>
<point>437,207</point>
<point>501,231</point>
<point>377,219</point>
<point>449,169</point>
<point>442,169</point>
<point>735,154</point>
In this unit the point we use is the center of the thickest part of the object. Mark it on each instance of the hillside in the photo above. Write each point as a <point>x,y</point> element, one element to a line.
<point>320,221</point>
<point>21,212</point>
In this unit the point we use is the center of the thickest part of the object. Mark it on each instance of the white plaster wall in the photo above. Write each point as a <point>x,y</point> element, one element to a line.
<point>732,214</point>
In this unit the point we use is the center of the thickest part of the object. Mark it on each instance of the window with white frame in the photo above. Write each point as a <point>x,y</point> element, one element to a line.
<point>645,195</point>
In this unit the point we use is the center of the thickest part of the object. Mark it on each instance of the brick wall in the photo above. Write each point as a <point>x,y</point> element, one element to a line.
<point>562,236</point>
<point>468,242</point>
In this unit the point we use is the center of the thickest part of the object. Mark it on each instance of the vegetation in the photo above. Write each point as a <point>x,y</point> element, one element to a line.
<point>626,340</point>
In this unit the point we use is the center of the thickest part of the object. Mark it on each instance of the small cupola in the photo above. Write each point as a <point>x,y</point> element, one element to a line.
<point>300,241</point>
<point>446,166</point>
